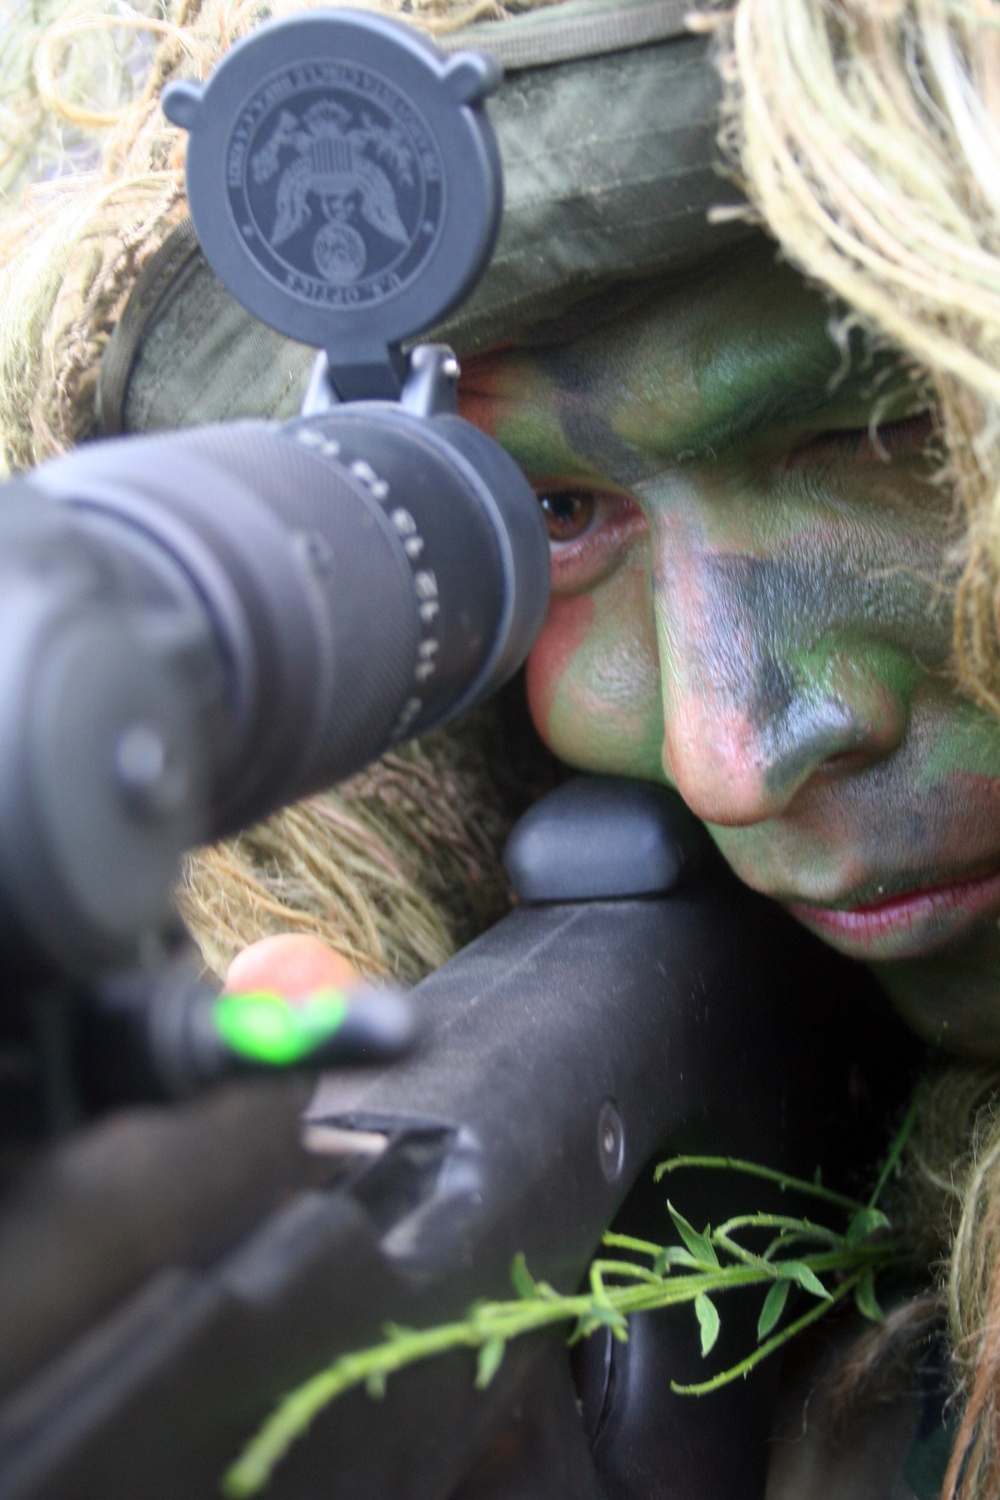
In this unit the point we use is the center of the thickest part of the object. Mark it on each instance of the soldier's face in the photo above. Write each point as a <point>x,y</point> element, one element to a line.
<point>746,606</point>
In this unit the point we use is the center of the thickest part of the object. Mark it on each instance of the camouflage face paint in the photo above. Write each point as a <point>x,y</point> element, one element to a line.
<point>746,607</point>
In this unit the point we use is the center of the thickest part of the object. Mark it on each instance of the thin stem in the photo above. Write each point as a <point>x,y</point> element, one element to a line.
<point>674,1290</point>
<point>770,1345</point>
<point>769,1174</point>
<point>616,1241</point>
<point>802,1228</point>
<point>627,1268</point>
<point>792,1231</point>
<point>746,1257</point>
<point>786,1241</point>
<point>884,1251</point>
<point>896,1149</point>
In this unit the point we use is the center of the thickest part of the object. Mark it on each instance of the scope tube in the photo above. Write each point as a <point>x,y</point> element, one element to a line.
<point>313,593</point>
<point>367,574</point>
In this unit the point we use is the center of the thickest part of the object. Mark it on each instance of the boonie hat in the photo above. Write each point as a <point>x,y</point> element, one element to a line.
<point>606,121</point>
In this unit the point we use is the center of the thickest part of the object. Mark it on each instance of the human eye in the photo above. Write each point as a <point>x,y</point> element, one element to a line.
<point>888,442</point>
<point>588,528</point>
<point>570,514</point>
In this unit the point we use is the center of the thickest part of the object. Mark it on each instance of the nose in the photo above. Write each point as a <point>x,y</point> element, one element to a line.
<point>763,696</point>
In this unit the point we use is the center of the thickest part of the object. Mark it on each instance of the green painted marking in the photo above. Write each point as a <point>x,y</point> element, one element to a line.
<point>268,1028</point>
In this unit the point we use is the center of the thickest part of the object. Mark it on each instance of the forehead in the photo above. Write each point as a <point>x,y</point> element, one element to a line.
<point>692,320</point>
<point>693,364</point>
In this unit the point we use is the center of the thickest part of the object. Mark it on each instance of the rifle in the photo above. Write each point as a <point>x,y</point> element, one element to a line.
<point>637,1000</point>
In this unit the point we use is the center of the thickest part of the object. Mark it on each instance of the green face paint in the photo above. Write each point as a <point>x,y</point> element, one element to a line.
<point>268,1029</point>
<point>748,547</point>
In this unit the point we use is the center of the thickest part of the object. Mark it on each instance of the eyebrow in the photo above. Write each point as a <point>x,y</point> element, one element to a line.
<point>813,384</point>
<point>773,408</point>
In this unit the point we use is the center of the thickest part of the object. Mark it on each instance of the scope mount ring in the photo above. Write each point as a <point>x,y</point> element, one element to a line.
<point>345,184</point>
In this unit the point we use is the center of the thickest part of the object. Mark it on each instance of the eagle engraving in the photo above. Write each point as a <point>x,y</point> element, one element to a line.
<point>337,163</point>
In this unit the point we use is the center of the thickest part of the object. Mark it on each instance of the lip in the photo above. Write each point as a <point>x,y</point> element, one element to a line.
<point>905,924</point>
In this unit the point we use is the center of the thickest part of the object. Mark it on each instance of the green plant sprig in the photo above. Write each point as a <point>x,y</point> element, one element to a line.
<point>825,1263</point>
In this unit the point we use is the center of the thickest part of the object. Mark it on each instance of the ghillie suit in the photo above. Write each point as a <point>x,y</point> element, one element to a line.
<point>867,137</point>
<point>400,866</point>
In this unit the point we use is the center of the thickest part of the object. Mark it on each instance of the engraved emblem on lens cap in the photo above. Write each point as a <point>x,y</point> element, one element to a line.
<point>344,181</point>
<point>338,187</point>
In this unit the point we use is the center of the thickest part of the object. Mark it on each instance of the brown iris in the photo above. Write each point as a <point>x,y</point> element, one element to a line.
<point>567,513</point>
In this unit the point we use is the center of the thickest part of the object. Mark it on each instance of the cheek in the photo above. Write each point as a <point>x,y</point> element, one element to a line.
<point>566,627</point>
<point>481,390</point>
<point>593,680</point>
<point>952,816</point>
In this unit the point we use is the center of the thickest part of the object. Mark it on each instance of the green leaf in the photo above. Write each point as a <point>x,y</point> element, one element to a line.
<point>375,1385</point>
<point>676,1255</point>
<point>699,1245</point>
<point>488,1362</point>
<point>863,1224</point>
<point>807,1279</point>
<point>708,1321</point>
<point>774,1306</point>
<point>603,1315</point>
<point>521,1278</point>
<point>865,1299</point>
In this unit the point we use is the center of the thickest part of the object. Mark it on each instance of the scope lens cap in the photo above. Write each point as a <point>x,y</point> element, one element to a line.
<point>343,179</point>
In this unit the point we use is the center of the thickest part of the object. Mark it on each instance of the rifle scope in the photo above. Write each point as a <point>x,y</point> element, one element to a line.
<point>196,628</point>
<point>200,627</point>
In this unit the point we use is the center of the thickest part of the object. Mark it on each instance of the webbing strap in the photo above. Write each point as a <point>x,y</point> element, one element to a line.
<point>581,28</point>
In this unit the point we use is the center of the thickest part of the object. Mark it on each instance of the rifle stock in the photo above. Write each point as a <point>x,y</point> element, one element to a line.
<point>563,1049</point>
